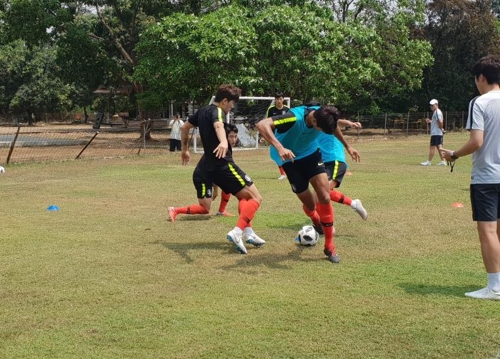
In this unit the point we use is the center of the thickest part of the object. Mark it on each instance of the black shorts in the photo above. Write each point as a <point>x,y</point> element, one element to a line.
<point>485,200</point>
<point>230,178</point>
<point>336,171</point>
<point>203,184</point>
<point>299,172</point>
<point>436,140</point>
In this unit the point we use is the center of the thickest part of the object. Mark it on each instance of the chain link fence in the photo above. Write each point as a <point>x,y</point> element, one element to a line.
<point>49,141</point>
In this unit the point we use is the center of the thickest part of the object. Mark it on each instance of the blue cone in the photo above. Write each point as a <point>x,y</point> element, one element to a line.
<point>53,208</point>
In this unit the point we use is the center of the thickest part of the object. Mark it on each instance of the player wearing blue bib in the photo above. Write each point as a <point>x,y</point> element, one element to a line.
<point>333,155</point>
<point>293,137</point>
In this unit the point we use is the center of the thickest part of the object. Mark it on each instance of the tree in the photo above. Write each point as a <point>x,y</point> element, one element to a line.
<point>299,50</point>
<point>461,32</point>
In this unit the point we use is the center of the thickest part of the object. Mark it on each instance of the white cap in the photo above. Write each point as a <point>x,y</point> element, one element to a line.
<point>433,102</point>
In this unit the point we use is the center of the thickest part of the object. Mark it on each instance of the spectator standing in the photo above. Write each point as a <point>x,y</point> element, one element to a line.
<point>437,133</point>
<point>175,134</point>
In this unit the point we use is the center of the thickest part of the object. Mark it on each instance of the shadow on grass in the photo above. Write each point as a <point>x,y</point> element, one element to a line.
<point>183,249</point>
<point>256,256</point>
<point>423,289</point>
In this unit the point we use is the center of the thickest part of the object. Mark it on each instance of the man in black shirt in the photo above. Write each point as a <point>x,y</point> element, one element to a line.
<point>278,108</point>
<point>218,164</point>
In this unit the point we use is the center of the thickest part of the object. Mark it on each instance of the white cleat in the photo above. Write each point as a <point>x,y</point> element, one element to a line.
<point>485,293</point>
<point>253,239</point>
<point>238,241</point>
<point>360,209</point>
<point>282,177</point>
<point>426,163</point>
<point>442,163</point>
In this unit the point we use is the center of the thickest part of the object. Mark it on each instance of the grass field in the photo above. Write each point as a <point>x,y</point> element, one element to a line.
<point>107,276</point>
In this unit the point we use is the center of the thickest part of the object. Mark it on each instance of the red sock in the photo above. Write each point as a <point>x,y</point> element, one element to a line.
<point>192,209</point>
<point>247,212</point>
<point>239,211</point>
<point>313,215</point>
<point>282,171</point>
<point>325,212</point>
<point>224,198</point>
<point>339,197</point>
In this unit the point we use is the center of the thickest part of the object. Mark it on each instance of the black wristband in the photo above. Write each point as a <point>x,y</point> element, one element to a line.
<point>453,157</point>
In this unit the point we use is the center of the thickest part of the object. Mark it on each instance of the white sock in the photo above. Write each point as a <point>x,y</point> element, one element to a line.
<point>248,230</point>
<point>238,231</point>
<point>494,282</point>
<point>353,204</point>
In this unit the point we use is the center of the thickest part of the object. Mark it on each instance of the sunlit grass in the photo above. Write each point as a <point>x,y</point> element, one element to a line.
<point>107,276</point>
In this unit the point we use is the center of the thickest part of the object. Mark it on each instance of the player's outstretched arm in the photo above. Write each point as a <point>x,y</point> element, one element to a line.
<point>221,150</point>
<point>350,150</point>
<point>266,130</point>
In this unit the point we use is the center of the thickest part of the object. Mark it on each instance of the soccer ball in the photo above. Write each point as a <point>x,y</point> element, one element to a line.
<point>307,236</point>
<point>2,170</point>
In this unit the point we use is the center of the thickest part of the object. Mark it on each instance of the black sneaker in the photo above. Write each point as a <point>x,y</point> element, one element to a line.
<point>318,229</point>
<point>332,257</point>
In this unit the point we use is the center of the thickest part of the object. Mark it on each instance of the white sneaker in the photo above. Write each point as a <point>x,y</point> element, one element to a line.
<point>282,177</point>
<point>360,209</point>
<point>485,293</point>
<point>426,163</point>
<point>238,241</point>
<point>442,163</point>
<point>253,239</point>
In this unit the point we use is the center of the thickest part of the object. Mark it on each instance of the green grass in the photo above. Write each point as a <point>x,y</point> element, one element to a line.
<point>108,276</point>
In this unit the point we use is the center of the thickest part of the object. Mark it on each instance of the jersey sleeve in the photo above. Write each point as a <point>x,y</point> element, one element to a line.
<point>283,123</point>
<point>193,119</point>
<point>475,120</point>
<point>217,115</point>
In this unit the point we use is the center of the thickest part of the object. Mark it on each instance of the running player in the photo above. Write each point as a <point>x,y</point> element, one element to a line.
<point>294,139</point>
<point>333,155</point>
<point>219,167</point>
<point>205,190</point>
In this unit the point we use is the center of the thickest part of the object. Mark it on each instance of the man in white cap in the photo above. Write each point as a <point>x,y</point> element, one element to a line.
<point>436,133</point>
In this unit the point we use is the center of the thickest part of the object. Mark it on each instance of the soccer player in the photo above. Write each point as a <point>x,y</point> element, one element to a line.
<point>333,155</point>
<point>437,133</point>
<point>294,139</point>
<point>483,123</point>
<point>218,165</point>
<point>279,108</point>
<point>205,190</point>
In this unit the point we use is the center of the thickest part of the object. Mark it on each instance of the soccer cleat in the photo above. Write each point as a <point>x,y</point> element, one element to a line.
<point>253,239</point>
<point>426,163</point>
<point>360,209</point>
<point>485,293</point>
<point>238,241</point>
<point>172,213</point>
<point>331,256</point>
<point>442,163</point>
<point>282,177</point>
<point>318,228</point>
<point>224,214</point>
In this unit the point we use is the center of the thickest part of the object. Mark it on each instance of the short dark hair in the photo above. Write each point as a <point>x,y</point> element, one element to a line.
<point>279,94</point>
<point>489,67</point>
<point>232,93</point>
<point>326,118</point>
<point>229,127</point>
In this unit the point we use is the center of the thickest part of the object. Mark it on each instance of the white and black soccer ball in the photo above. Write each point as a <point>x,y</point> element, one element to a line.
<point>307,236</point>
<point>2,170</point>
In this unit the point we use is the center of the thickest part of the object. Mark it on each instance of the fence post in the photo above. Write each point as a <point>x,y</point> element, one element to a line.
<point>407,123</point>
<point>12,144</point>
<point>87,145</point>
<point>385,123</point>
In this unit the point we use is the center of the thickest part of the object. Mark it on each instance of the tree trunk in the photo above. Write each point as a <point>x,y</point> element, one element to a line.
<point>146,127</point>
